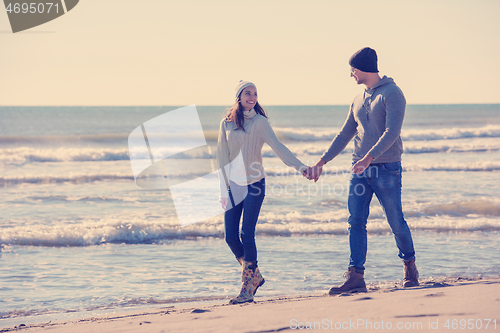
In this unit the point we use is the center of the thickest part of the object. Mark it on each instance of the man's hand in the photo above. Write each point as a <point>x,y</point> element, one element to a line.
<point>360,166</point>
<point>316,170</point>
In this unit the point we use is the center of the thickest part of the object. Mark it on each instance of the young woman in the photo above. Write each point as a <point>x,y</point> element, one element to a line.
<point>243,131</point>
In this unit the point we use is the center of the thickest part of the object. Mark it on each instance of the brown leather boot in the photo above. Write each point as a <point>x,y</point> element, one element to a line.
<point>411,274</point>
<point>354,282</point>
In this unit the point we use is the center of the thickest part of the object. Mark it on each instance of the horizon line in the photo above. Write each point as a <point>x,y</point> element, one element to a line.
<point>220,105</point>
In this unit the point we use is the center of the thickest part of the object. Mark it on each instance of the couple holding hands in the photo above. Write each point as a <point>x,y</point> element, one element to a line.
<point>374,121</point>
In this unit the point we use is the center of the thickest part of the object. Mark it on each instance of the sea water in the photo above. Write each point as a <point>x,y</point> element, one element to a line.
<point>79,238</point>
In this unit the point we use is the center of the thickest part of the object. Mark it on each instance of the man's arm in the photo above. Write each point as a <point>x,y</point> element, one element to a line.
<point>338,144</point>
<point>395,104</point>
<point>341,140</point>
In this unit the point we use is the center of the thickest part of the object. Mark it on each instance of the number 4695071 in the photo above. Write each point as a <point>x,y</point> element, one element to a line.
<point>31,7</point>
<point>469,324</point>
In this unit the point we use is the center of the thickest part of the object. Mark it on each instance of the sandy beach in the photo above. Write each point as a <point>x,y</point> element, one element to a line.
<point>443,305</point>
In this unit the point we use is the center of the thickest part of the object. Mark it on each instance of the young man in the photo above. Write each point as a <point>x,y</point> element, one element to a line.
<point>374,120</point>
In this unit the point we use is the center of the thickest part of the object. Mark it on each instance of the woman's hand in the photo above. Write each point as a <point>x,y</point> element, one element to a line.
<point>305,172</point>
<point>224,202</point>
<point>315,171</point>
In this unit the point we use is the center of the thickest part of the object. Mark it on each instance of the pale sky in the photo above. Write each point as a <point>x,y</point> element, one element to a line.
<point>158,52</point>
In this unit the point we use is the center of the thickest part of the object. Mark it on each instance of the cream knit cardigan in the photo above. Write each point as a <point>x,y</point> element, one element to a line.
<point>239,153</point>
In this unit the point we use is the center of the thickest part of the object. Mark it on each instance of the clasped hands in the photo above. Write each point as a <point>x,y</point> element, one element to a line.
<point>313,172</point>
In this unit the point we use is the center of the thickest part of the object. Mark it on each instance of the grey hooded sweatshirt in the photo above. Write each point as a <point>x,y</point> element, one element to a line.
<point>374,120</point>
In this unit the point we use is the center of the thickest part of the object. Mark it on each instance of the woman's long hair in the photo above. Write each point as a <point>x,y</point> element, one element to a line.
<point>235,113</point>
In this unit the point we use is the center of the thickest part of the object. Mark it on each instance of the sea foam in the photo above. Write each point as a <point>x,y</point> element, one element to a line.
<point>464,216</point>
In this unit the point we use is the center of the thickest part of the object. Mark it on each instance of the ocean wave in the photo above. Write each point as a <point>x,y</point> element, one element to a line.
<point>117,231</point>
<point>454,166</point>
<point>76,178</point>
<point>73,198</point>
<point>306,134</point>
<point>210,135</point>
<point>95,138</point>
<point>490,131</point>
<point>468,145</point>
<point>408,166</point>
<point>465,207</point>
<point>140,233</point>
<point>23,313</point>
<point>79,178</point>
<point>22,155</point>
<point>413,144</point>
<point>341,169</point>
<point>25,155</point>
<point>410,147</point>
<point>466,216</point>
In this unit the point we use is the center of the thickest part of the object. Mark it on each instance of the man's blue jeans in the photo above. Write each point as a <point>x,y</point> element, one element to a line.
<point>385,181</point>
<point>248,203</point>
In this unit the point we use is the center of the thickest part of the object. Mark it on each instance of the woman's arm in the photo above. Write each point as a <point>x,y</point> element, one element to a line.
<point>279,148</point>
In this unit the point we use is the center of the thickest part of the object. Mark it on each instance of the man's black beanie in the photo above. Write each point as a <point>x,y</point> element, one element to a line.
<point>365,60</point>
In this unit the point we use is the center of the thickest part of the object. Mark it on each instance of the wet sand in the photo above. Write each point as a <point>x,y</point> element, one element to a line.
<point>446,305</point>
